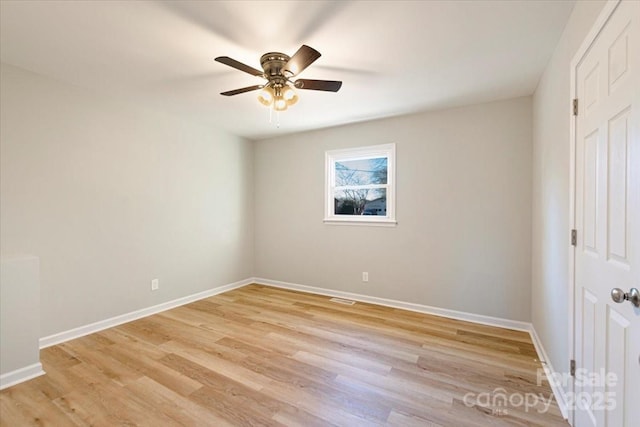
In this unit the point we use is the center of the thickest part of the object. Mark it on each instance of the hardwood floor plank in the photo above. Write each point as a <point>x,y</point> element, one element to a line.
<point>108,365</point>
<point>153,369</point>
<point>296,417</point>
<point>320,401</point>
<point>28,406</point>
<point>362,346</point>
<point>178,407</point>
<point>265,356</point>
<point>404,420</point>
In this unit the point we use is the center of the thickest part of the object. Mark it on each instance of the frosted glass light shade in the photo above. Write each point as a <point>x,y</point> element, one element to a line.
<point>266,96</point>
<point>289,95</point>
<point>280,104</point>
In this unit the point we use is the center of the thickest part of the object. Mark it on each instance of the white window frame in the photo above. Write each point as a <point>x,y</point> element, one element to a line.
<point>361,153</point>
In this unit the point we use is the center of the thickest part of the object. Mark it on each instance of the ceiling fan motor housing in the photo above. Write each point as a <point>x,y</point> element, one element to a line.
<point>273,65</point>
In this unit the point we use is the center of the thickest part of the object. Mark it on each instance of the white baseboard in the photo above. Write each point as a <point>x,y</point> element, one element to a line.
<point>19,375</point>
<point>437,311</point>
<point>81,331</point>
<point>558,391</point>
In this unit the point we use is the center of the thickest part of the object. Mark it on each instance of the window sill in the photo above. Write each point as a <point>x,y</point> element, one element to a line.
<point>360,222</point>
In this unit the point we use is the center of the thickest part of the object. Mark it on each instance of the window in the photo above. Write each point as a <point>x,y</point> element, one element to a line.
<point>360,185</point>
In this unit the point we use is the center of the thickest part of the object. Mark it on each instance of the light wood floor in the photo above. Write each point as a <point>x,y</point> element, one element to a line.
<point>265,356</point>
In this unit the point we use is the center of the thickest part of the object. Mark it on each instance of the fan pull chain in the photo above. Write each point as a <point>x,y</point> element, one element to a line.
<point>277,117</point>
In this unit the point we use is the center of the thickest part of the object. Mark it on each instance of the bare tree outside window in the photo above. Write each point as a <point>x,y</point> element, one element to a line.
<point>360,187</point>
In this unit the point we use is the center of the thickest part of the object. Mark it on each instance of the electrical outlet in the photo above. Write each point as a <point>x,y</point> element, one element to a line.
<point>365,276</point>
<point>155,284</point>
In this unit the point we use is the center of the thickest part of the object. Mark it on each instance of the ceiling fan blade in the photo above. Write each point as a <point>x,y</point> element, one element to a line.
<point>239,65</point>
<point>300,60</point>
<point>326,85</point>
<point>243,90</point>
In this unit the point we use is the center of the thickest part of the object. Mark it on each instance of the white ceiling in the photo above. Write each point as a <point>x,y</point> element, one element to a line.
<point>394,57</point>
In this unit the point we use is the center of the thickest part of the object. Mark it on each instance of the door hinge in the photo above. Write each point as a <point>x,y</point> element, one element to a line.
<point>572,367</point>
<point>575,107</point>
<point>574,237</point>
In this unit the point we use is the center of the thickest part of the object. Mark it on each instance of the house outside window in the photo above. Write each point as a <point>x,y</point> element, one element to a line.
<point>360,185</point>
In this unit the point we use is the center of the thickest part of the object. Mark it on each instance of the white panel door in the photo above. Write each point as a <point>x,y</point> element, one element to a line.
<point>607,218</point>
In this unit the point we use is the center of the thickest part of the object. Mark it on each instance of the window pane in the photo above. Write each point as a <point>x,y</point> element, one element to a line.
<point>361,172</point>
<point>361,202</point>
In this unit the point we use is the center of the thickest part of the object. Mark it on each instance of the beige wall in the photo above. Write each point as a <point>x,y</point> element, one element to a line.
<point>463,240</point>
<point>550,262</point>
<point>19,314</point>
<point>110,195</point>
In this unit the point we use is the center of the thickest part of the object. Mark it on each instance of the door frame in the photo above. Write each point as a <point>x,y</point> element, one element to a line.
<point>601,20</point>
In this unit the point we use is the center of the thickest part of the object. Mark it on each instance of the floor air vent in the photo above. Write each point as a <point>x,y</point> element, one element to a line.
<point>342,301</point>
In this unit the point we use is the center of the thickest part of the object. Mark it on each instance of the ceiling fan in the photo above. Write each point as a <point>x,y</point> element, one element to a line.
<point>278,70</point>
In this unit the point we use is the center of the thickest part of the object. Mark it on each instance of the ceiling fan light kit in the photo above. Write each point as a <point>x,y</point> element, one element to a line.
<point>278,69</point>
